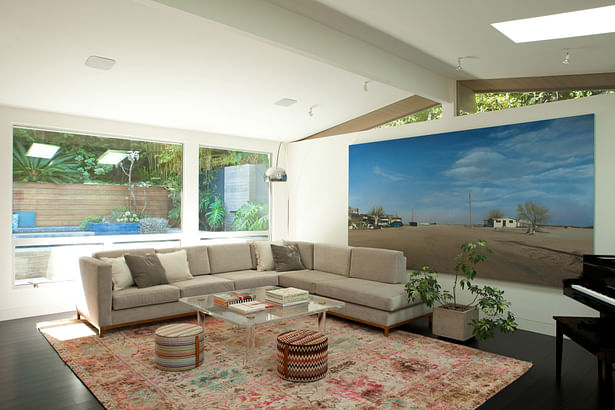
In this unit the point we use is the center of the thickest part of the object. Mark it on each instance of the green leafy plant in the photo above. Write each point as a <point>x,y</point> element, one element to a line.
<point>251,216</point>
<point>490,301</point>
<point>61,169</point>
<point>123,214</point>
<point>216,214</point>
<point>84,222</point>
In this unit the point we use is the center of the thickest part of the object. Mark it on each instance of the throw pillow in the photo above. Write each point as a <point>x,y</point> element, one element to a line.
<point>286,258</point>
<point>146,270</point>
<point>120,274</point>
<point>175,265</point>
<point>264,257</point>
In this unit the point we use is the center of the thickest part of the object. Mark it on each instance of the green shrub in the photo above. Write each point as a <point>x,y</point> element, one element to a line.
<point>84,222</point>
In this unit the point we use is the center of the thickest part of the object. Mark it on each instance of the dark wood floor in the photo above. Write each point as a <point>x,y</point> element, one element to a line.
<point>32,376</point>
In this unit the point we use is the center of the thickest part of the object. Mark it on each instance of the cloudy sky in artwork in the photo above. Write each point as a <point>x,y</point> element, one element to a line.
<point>550,162</point>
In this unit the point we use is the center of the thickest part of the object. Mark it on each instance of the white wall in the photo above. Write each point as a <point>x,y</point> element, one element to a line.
<point>318,191</point>
<point>18,302</point>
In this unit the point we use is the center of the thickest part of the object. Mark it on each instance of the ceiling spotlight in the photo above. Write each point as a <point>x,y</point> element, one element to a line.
<point>311,110</point>
<point>566,59</point>
<point>459,67</point>
<point>365,85</point>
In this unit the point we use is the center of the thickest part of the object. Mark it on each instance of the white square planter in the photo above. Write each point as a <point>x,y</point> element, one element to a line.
<point>454,324</point>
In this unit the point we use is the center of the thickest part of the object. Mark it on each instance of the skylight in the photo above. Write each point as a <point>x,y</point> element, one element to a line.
<point>600,20</point>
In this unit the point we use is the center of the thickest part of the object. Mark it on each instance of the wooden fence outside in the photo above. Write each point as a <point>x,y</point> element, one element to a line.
<point>69,204</point>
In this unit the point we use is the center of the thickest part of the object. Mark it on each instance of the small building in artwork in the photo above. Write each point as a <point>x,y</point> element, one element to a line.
<point>503,222</point>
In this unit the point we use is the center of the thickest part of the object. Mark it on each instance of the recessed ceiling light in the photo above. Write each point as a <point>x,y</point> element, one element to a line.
<point>112,157</point>
<point>102,63</point>
<point>600,20</point>
<point>285,102</point>
<point>42,150</point>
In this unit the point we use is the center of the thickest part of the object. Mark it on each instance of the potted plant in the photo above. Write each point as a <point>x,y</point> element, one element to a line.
<point>461,321</point>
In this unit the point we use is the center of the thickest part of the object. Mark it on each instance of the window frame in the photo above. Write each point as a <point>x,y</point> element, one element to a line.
<point>234,235</point>
<point>108,242</point>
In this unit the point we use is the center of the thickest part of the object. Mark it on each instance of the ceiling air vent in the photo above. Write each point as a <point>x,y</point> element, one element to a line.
<point>285,102</point>
<point>102,63</point>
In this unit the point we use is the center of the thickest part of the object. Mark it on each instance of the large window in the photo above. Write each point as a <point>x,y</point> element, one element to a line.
<point>74,194</point>
<point>233,195</point>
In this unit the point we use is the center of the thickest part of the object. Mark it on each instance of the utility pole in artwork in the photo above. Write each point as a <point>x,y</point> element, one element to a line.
<point>470,197</point>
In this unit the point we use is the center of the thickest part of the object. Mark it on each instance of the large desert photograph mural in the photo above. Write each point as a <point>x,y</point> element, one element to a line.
<point>526,189</point>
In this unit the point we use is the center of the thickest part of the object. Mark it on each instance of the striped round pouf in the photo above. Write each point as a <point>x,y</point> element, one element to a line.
<point>302,355</point>
<point>179,347</point>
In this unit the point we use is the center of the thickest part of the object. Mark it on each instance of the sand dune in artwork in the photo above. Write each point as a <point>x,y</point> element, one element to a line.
<point>545,258</point>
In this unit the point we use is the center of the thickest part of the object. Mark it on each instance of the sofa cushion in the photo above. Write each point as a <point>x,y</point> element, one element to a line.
<point>332,258</point>
<point>175,265</point>
<point>202,285</point>
<point>306,279</point>
<point>377,295</point>
<point>134,297</point>
<point>198,259</point>
<point>382,265</point>
<point>229,257</point>
<point>120,274</point>
<point>116,253</point>
<point>247,279</point>
<point>306,249</point>
<point>286,258</point>
<point>146,270</point>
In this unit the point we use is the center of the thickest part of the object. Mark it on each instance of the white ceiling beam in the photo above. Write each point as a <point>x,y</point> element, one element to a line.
<point>308,37</point>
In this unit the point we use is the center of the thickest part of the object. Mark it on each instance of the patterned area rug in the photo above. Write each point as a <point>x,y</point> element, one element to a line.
<point>366,370</point>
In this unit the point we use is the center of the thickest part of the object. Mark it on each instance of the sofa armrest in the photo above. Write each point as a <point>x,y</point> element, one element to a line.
<point>97,287</point>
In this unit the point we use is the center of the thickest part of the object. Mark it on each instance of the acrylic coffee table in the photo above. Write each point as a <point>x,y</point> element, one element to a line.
<point>317,305</point>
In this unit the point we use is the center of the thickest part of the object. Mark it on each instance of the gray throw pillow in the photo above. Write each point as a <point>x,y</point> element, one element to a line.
<point>146,270</point>
<point>286,258</point>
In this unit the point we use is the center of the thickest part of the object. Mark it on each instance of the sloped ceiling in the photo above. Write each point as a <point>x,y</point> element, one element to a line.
<point>220,65</point>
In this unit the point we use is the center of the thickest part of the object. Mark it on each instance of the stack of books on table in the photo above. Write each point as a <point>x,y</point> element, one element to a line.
<point>287,296</point>
<point>227,299</point>
<point>248,307</point>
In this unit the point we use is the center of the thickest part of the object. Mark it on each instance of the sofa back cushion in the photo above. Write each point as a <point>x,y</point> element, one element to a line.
<point>116,253</point>
<point>229,257</point>
<point>332,259</point>
<point>382,265</point>
<point>306,250</point>
<point>198,258</point>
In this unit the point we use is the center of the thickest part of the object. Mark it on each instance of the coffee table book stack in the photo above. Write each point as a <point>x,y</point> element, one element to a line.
<point>287,296</point>
<point>227,299</point>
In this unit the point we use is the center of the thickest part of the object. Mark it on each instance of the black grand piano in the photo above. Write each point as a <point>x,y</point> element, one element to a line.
<point>595,287</point>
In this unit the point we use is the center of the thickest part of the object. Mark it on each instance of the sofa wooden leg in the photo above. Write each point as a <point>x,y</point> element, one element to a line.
<point>386,331</point>
<point>101,332</point>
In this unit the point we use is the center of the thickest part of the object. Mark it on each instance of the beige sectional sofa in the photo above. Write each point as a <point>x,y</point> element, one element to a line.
<point>370,282</point>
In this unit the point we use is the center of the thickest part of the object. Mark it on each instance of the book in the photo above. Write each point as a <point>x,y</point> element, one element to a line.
<point>288,299</point>
<point>248,307</point>
<point>286,304</point>
<point>230,298</point>
<point>288,294</point>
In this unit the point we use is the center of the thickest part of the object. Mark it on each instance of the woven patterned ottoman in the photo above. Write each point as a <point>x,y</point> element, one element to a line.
<point>302,355</point>
<point>179,347</point>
